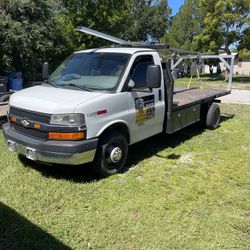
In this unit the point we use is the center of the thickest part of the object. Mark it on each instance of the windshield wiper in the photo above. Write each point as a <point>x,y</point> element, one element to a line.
<point>78,86</point>
<point>95,87</point>
<point>51,84</point>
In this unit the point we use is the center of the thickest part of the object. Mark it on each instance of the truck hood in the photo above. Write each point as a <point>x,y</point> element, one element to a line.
<point>50,100</point>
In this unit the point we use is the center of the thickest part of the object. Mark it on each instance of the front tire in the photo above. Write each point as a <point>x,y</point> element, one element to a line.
<point>111,154</point>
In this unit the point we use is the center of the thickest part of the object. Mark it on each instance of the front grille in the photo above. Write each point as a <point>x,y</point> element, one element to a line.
<point>29,115</point>
<point>38,134</point>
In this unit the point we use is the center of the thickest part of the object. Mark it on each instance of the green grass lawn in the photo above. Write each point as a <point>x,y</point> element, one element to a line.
<point>190,190</point>
<point>215,82</point>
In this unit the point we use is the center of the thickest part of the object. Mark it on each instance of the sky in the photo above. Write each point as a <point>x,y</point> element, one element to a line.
<point>175,5</point>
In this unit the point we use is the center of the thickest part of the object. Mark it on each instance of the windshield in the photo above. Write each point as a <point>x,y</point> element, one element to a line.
<point>88,71</point>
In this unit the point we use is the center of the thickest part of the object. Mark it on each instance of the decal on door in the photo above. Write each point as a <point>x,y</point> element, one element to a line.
<point>145,108</point>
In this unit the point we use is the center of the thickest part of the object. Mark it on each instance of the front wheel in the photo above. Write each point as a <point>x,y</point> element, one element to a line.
<point>111,154</point>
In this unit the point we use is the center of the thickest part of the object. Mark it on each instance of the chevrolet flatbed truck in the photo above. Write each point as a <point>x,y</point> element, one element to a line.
<point>100,101</point>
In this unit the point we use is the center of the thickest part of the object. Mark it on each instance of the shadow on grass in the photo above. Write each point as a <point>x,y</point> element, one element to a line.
<point>226,117</point>
<point>241,79</point>
<point>154,145</point>
<point>78,174</point>
<point>137,152</point>
<point>16,232</point>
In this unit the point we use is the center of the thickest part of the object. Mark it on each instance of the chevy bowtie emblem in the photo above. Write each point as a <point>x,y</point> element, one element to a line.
<point>25,123</point>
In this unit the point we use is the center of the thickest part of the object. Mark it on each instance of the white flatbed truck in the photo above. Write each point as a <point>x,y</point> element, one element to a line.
<point>100,101</point>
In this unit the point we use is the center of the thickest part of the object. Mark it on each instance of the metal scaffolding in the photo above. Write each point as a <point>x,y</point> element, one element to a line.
<point>178,54</point>
<point>223,58</point>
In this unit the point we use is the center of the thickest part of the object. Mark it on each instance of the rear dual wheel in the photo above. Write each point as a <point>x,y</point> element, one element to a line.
<point>211,116</point>
<point>111,154</point>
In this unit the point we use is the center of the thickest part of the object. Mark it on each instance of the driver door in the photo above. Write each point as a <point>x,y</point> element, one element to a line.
<point>146,106</point>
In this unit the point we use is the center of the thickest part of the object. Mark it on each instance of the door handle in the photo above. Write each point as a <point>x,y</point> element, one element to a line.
<point>160,95</point>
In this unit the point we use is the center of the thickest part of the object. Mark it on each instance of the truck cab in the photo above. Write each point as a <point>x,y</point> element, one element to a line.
<point>96,104</point>
<point>92,94</point>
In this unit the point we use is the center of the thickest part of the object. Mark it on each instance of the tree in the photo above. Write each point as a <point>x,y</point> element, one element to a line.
<point>223,22</point>
<point>34,31</point>
<point>30,33</point>
<point>244,44</point>
<point>186,25</point>
<point>109,16</point>
<point>131,20</point>
<point>148,20</point>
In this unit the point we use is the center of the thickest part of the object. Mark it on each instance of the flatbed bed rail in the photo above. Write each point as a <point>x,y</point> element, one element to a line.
<point>183,98</point>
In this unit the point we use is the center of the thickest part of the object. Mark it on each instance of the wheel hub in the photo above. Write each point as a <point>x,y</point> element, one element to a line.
<point>116,154</point>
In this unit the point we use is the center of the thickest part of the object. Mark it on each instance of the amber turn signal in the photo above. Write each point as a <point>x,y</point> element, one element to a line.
<point>66,136</point>
<point>13,119</point>
<point>37,126</point>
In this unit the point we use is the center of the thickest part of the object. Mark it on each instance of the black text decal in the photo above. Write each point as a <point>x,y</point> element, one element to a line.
<point>145,108</point>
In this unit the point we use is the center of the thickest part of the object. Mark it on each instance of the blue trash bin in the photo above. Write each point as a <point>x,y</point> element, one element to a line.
<point>15,81</point>
<point>15,84</point>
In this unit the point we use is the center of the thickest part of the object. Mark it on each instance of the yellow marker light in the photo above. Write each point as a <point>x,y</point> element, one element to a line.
<point>13,119</point>
<point>66,136</point>
<point>37,126</point>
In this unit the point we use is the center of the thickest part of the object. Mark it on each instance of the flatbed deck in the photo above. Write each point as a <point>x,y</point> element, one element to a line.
<point>183,98</point>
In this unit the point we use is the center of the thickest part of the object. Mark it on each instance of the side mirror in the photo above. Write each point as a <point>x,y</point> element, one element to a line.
<point>45,73</point>
<point>131,84</point>
<point>153,77</point>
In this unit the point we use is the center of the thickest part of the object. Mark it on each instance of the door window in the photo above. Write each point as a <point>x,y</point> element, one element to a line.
<point>139,70</point>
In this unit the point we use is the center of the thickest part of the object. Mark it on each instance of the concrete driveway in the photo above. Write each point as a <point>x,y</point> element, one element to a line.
<point>237,96</point>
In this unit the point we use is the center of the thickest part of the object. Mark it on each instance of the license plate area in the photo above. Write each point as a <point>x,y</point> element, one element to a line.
<point>12,146</point>
<point>31,154</point>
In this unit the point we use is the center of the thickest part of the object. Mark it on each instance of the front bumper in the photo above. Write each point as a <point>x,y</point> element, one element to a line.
<point>61,152</point>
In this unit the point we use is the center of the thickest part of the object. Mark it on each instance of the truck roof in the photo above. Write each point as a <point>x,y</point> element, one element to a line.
<point>126,50</point>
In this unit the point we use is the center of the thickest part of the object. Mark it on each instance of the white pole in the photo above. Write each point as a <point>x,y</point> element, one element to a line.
<point>231,73</point>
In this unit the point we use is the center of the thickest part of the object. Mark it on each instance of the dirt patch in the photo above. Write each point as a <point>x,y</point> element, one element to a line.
<point>187,158</point>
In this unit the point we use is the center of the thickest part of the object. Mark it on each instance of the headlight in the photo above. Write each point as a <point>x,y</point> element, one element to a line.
<point>68,119</point>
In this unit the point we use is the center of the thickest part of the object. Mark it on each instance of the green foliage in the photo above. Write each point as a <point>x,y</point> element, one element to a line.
<point>22,33</point>
<point>223,22</point>
<point>244,54</point>
<point>148,21</point>
<point>30,32</point>
<point>131,20</point>
<point>65,40</point>
<point>35,31</point>
<point>244,45</point>
<point>209,25</point>
<point>103,15</point>
<point>185,26</point>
